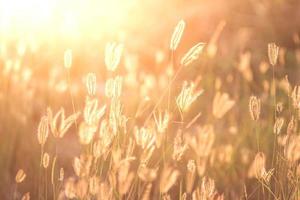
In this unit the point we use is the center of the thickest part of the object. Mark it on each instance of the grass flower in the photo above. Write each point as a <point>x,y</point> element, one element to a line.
<point>20,176</point>
<point>273,51</point>
<point>221,104</point>
<point>113,53</point>
<point>254,107</point>
<point>192,54</point>
<point>43,130</point>
<point>59,124</point>
<point>177,35</point>
<point>187,96</point>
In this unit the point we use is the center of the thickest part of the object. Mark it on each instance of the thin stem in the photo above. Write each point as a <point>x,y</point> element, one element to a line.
<point>170,83</point>
<point>271,192</point>
<point>52,178</point>
<point>164,93</point>
<point>274,157</point>
<point>40,182</point>
<point>46,187</point>
<point>257,137</point>
<point>71,95</point>
<point>274,92</point>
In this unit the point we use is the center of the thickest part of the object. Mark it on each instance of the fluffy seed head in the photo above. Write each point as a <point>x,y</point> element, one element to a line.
<point>92,113</point>
<point>91,84</point>
<point>144,137</point>
<point>86,133</point>
<point>296,97</point>
<point>20,176</point>
<point>278,125</point>
<point>177,34</point>
<point>192,54</point>
<point>161,121</point>
<point>43,130</point>
<point>222,104</point>
<point>273,51</point>
<point>187,96</point>
<point>202,142</point>
<point>113,87</point>
<point>257,169</point>
<point>254,107</point>
<point>59,124</point>
<point>113,53</point>
<point>292,148</point>
<point>46,159</point>
<point>61,174</point>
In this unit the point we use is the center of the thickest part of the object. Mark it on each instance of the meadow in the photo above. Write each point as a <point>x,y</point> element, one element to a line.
<point>184,113</point>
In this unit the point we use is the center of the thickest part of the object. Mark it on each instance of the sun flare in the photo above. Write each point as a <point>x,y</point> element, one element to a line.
<point>71,18</point>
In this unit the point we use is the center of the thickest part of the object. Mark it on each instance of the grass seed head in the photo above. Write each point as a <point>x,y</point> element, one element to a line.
<point>192,55</point>
<point>113,53</point>
<point>254,107</point>
<point>273,51</point>
<point>221,104</point>
<point>43,130</point>
<point>91,84</point>
<point>20,176</point>
<point>177,35</point>
<point>46,159</point>
<point>187,96</point>
<point>278,125</point>
<point>61,174</point>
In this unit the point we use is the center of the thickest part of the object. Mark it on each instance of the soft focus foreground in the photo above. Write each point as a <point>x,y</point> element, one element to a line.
<point>141,100</point>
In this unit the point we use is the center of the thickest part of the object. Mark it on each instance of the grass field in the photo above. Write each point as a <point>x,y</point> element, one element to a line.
<point>187,100</point>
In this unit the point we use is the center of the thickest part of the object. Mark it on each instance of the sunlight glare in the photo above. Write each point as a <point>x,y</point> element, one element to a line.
<point>62,17</point>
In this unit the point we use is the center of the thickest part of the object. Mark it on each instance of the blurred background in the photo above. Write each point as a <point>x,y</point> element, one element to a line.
<point>35,33</point>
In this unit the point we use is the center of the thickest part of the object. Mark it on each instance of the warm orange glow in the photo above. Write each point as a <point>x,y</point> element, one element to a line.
<point>149,99</point>
<point>70,18</point>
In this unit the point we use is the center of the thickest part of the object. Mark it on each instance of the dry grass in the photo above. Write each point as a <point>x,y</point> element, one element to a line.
<point>176,134</point>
